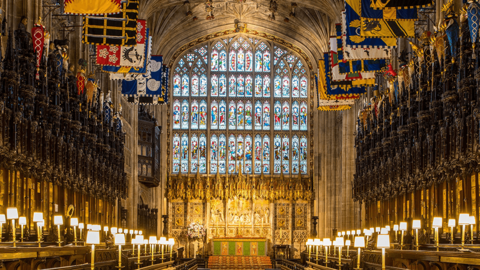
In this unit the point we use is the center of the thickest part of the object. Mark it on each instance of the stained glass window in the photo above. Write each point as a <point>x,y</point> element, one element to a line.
<point>213,153</point>
<point>202,115</point>
<point>194,124</point>
<point>176,114</point>
<point>241,74</point>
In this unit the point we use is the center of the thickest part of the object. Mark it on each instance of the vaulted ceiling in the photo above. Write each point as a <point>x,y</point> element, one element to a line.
<point>306,24</point>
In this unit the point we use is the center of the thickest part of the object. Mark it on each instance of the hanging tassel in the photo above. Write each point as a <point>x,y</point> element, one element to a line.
<point>37,76</point>
<point>474,55</point>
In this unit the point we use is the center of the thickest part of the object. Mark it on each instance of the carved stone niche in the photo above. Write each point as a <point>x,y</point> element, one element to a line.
<point>148,149</point>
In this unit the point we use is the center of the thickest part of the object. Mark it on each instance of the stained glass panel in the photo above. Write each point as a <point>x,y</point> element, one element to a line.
<point>240,86</point>
<point>176,114</point>
<point>303,87</point>
<point>202,151</point>
<point>185,114</point>
<point>266,154</point>
<point>202,115</point>
<point>249,61</point>
<point>214,62</point>
<point>285,154</point>
<point>277,154</point>
<point>194,85</point>
<point>194,153</point>
<point>248,154</point>
<point>248,115</point>
<point>295,154</point>
<point>303,155</point>
<point>277,86</point>
<point>222,62</point>
<point>184,153</point>
<point>222,124</point>
<point>258,86</point>
<point>303,116</point>
<point>231,154</point>
<point>176,153</point>
<point>185,84</point>
<point>277,114</point>
<point>240,115</point>
<point>258,115</point>
<point>258,61</point>
<point>248,86</point>
<point>266,116</point>
<point>286,116</point>
<point>232,86</point>
<point>222,154</point>
<point>266,86</point>
<point>295,87</point>
<point>214,115</point>
<point>214,91</point>
<point>258,154</point>
<point>233,60</point>
<point>213,154</point>
<point>176,85</point>
<point>194,124</point>
<point>203,86</point>
<point>232,119</point>
<point>295,116</point>
<point>266,61</point>
<point>222,86</point>
<point>240,60</point>
<point>285,87</point>
<point>240,153</point>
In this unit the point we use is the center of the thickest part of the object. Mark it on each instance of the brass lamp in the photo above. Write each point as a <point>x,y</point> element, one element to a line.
<point>437,223</point>
<point>348,234</point>
<point>113,230</point>
<point>383,231</point>
<point>326,242</point>
<point>81,226</point>
<point>451,224</point>
<point>2,221</point>
<point>348,243</point>
<point>12,213</point>
<point>135,232</point>
<point>89,227</point>
<point>387,227</point>
<point>74,224</point>
<point>140,232</point>
<point>395,229</point>
<point>93,238</point>
<point>316,243</point>
<point>416,224</point>
<point>131,232</point>
<point>339,242</point>
<point>171,242</point>
<point>309,246</point>
<point>403,228</point>
<point>472,222</point>
<point>463,219</point>
<point>119,241</point>
<point>163,242</point>
<point>359,243</point>
<point>22,221</point>
<point>383,242</point>
<point>145,241</point>
<point>139,242</point>
<point>377,229</point>
<point>105,229</point>
<point>359,232</point>
<point>58,220</point>
<point>120,230</point>
<point>368,233</point>
<point>152,240</point>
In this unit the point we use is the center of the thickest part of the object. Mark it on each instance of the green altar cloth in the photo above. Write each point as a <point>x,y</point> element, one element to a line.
<point>239,246</point>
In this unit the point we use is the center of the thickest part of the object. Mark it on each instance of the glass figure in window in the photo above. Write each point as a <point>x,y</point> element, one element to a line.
<point>286,87</point>
<point>240,86</point>
<point>240,151</point>
<point>214,60</point>
<point>258,86</point>
<point>258,61</point>
<point>185,115</point>
<point>303,87</point>
<point>232,86</point>
<point>233,61</point>
<point>203,85</point>
<point>285,154</point>
<point>295,154</point>
<point>194,124</point>
<point>231,154</point>
<point>176,153</point>
<point>222,63</point>
<point>184,153</point>
<point>231,115</point>
<point>303,155</point>
<point>277,158</point>
<point>295,116</point>
<point>214,124</point>
<point>203,114</point>
<point>266,61</point>
<point>248,86</point>
<point>214,91</point>
<point>176,85</point>
<point>277,114</point>
<point>240,115</point>
<point>303,116</point>
<point>266,86</point>
<point>277,86</point>
<point>222,86</point>
<point>266,154</point>
<point>194,157</point>
<point>185,84</point>
<point>222,156</point>
<point>202,161</point>
<point>266,116</point>
<point>258,115</point>
<point>240,60</point>
<point>248,115</point>
<point>248,61</point>
<point>285,116</point>
<point>213,154</point>
<point>258,154</point>
<point>176,114</point>
<point>248,154</point>
<point>194,85</point>
<point>222,119</point>
<point>295,87</point>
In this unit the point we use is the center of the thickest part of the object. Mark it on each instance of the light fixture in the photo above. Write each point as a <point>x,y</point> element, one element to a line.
<point>171,242</point>
<point>343,233</point>
<point>22,221</point>
<point>416,224</point>
<point>309,245</point>
<point>81,226</point>
<point>383,231</point>
<point>135,232</point>
<point>339,234</point>
<point>403,228</point>
<point>89,227</point>
<point>152,240</point>
<point>140,232</point>
<point>37,217</point>
<point>105,229</point>
<point>316,243</point>
<point>372,229</point>
<point>359,232</point>
<point>162,242</point>
<point>113,230</point>
<point>368,233</point>
<point>139,241</point>
<point>12,213</point>
<point>377,229</point>
<point>131,232</point>
<point>348,233</point>
<point>96,227</point>
<point>119,241</point>
<point>133,241</point>
<point>93,238</point>
<point>58,220</point>
<point>74,223</point>
<point>383,242</point>
<point>120,230</point>
<point>437,223</point>
<point>395,229</point>
<point>145,241</point>
<point>472,222</point>
<point>451,224</point>
<point>359,243</point>
<point>339,242</point>
<point>348,243</point>
<point>387,227</point>
<point>326,242</point>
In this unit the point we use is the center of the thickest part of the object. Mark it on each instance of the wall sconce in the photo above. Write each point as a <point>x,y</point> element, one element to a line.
<point>437,223</point>
<point>22,221</point>
<point>58,220</point>
<point>359,243</point>
<point>37,217</point>
<point>93,238</point>
<point>119,241</point>
<point>416,224</point>
<point>12,213</point>
<point>74,224</point>
<point>383,242</point>
<point>451,224</point>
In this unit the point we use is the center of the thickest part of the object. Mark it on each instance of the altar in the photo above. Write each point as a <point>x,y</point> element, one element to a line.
<point>240,246</point>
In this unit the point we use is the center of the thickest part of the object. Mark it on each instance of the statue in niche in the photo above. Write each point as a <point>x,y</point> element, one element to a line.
<point>23,39</point>
<point>267,215</point>
<point>257,217</point>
